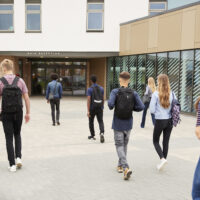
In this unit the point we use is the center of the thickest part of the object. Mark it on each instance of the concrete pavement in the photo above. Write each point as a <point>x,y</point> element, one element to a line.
<point>61,164</point>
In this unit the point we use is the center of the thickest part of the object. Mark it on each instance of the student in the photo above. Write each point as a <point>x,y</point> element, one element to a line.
<point>124,100</point>
<point>150,89</point>
<point>12,89</point>
<point>95,104</point>
<point>161,104</point>
<point>53,95</point>
<point>196,182</point>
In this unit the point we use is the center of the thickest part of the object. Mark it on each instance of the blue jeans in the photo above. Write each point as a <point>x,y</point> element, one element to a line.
<point>144,115</point>
<point>196,183</point>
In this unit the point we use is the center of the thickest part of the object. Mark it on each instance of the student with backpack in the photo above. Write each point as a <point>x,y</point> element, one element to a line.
<point>196,181</point>
<point>12,89</point>
<point>53,96</point>
<point>162,104</point>
<point>150,89</point>
<point>124,100</point>
<point>95,105</point>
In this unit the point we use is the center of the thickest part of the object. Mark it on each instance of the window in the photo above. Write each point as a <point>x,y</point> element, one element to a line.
<point>157,7</point>
<point>6,16</point>
<point>95,15</point>
<point>33,16</point>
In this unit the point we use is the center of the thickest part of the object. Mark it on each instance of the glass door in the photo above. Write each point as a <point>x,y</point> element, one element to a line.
<point>79,81</point>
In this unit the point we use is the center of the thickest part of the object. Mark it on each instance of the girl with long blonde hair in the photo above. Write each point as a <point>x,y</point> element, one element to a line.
<point>150,89</point>
<point>160,106</point>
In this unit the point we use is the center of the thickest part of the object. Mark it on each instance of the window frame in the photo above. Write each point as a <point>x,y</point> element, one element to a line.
<point>8,12</point>
<point>157,10</point>
<point>33,12</point>
<point>95,11</point>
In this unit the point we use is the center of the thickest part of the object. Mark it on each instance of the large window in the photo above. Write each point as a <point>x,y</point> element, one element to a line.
<point>33,15</point>
<point>182,68</point>
<point>174,70</point>
<point>95,15</point>
<point>6,16</point>
<point>186,80</point>
<point>157,7</point>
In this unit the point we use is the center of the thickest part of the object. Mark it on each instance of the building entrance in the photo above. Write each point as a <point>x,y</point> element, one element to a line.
<point>72,76</point>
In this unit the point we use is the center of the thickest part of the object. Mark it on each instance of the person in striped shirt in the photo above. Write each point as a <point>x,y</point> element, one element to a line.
<point>196,181</point>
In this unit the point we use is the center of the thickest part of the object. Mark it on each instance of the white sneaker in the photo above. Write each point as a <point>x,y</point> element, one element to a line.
<point>163,162</point>
<point>12,168</point>
<point>19,163</point>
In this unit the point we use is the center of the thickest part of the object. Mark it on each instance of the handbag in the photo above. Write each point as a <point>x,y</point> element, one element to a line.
<point>51,95</point>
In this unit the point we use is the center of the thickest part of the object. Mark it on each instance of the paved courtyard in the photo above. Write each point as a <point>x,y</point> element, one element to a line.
<point>61,164</point>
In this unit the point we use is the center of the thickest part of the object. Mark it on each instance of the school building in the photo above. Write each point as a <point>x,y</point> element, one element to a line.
<point>70,37</point>
<point>166,42</point>
<point>104,37</point>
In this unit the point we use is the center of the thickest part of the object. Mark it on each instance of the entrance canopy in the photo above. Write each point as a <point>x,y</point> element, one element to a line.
<point>58,54</point>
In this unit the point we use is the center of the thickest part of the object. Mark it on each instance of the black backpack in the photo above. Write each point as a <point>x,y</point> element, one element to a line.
<point>124,103</point>
<point>11,96</point>
<point>97,98</point>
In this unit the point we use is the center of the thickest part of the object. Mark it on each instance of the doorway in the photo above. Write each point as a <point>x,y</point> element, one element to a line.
<point>72,76</point>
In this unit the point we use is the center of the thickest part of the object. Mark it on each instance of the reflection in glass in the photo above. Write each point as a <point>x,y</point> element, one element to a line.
<point>196,87</point>
<point>118,70</point>
<point>186,80</point>
<point>33,22</point>
<point>95,6</point>
<point>132,68</point>
<point>141,75</point>
<point>162,63</point>
<point>6,22</point>
<point>173,70</point>
<point>95,21</point>
<point>33,7</point>
<point>6,7</point>
<point>151,66</point>
<point>110,75</point>
<point>38,81</point>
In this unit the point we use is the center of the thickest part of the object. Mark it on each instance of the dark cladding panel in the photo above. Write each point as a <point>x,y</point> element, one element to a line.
<point>95,1</point>
<point>6,1</point>
<point>33,1</point>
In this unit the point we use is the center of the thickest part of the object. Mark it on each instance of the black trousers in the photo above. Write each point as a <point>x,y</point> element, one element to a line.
<point>99,114</point>
<point>12,128</point>
<point>55,105</point>
<point>165,127</point>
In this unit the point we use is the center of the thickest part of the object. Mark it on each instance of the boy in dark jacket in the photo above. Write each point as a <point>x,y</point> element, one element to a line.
<point>123,120</point>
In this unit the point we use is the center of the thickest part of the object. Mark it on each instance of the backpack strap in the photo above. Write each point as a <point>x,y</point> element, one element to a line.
<point>4,81</point>
<point>15,81</point>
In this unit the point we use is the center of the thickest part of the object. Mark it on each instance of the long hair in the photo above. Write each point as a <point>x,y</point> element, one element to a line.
<point>151,84</point>
<point>196,105</point>
<point>164,90</point>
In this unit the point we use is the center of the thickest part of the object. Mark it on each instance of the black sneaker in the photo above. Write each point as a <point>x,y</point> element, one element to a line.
<point>53,124</point>
<point>91,137</point>
<point>58,123</point>
<point>102,139</point>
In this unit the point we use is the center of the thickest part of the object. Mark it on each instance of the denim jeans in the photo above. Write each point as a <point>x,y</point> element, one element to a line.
<point>144,115</point>
<point>55,105</point>
<point>196,183</point>
<point>121,143</point>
